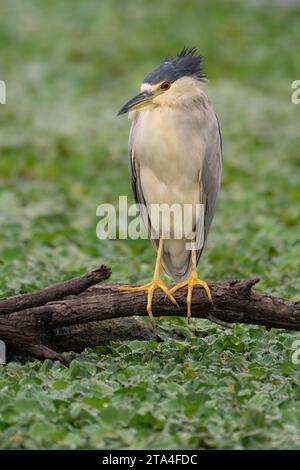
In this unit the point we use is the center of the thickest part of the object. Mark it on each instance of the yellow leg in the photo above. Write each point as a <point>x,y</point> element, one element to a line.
<point>191,282</point>
<point>156,283</point>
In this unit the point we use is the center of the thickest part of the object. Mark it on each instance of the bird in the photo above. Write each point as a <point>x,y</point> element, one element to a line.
<point>175,158</point>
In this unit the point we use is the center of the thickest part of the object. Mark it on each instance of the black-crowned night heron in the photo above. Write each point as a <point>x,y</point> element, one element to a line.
<point>175,155</point>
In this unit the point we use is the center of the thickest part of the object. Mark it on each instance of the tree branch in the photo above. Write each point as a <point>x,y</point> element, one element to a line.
<point>57,291</point>
<point>234,302</point>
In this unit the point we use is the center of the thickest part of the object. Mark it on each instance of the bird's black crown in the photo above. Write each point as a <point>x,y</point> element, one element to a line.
<point>186,63</point>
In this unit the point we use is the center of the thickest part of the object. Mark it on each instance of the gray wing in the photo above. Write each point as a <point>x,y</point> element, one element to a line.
<point>210,181</point>
<point>134,172</point>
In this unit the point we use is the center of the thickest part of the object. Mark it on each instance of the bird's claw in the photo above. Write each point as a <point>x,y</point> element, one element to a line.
<point>150,288</point>
<point>191,282</point>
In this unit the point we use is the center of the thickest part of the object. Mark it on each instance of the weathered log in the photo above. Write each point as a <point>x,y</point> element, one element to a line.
<point>234,302</point>
<point>74,286</point>
<point>76,338</point>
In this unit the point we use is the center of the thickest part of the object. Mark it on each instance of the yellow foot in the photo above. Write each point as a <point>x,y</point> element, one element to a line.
<point>156,283</point>
<point>191,282</point>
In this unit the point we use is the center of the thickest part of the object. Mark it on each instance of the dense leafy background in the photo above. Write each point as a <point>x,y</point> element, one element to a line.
<point>69,66</point>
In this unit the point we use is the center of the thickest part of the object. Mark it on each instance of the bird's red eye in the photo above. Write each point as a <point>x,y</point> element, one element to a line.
<point>165,85</point>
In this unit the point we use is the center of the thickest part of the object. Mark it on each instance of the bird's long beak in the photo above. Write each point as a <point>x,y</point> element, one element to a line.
<point>138,102</point>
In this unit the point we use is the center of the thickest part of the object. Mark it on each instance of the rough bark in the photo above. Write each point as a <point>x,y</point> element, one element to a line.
<point>45,327</point>
<point>76,338</point>
<point>74,286</point>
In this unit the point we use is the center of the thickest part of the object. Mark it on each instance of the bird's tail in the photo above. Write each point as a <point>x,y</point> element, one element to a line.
<point>177,260</point>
